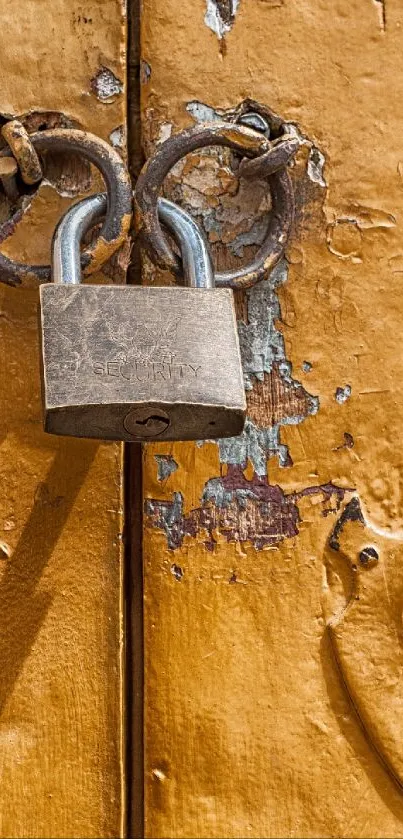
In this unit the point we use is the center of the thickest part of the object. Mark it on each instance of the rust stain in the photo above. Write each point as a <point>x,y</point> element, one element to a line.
<point>17,137</point>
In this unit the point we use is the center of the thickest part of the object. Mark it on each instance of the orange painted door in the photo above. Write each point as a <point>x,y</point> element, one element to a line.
<point>269,695</point>
<point>272,563</point>
<point>62,739</point>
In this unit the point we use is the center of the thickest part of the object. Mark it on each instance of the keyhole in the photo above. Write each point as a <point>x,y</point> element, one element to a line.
<point>140,422</point>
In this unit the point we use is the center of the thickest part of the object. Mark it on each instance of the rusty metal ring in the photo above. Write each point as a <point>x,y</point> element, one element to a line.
<point>117,220</point>
<point>249,144</point>
<point>21,145</point>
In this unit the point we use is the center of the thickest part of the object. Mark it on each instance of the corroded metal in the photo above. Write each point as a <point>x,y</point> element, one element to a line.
<point>117,220</point>
<point>243,141</point>
<point>278,157</point>
<point>23,149</point>
<point>8,171</point>
<point>136,363</point>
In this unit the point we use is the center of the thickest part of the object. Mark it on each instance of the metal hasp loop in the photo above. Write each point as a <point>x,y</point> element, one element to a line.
<point>119,199</point>
<point>268,159</point>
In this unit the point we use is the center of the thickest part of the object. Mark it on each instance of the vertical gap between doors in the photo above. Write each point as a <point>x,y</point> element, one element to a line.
<point>134,494</point>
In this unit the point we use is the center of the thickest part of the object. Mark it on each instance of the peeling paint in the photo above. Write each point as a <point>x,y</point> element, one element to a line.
<point>256,445</point>
<point>342,394</point>
<point>105,85</point>
<point>263,354</point>
<point>5,550</point>
<point>145,72</point>
<point>262,344</point>
<point>177,572</point>
<point>117,137</point>
<point>241,510</point>
<point>344,239</point>
<point>164,132</point>
<point>381,8</point>
<point>166,466</point>
<point>203,113</point>
<point>220,16</point>
<point>234,213</point>
<point>315,166</point>
<point>351,512</point>
<point>254,236</point>
<point>348,442</point>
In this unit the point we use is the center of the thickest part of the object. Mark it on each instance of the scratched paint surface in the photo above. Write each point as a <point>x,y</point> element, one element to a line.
<point>272,695</point>
<point>61,736</point>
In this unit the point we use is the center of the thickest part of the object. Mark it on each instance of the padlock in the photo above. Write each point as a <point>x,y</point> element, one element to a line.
<point>133,362</point>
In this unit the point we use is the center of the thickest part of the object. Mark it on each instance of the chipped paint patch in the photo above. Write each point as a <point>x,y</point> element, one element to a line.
<point>203,113</point>
<point>256,445</point>
<point>352,512</point>
<point>5,550</point>
<point>145,72</point>
<point>342,394</point>
<point>166,466</point>
<point>262,344</point>
<point>344,239</point>
<point>315,166</point>
<point>168,516</point>
<point>117,137</point>
<point>381,9</point>
<point>105,85</point>
<point>177,571</point>
<point>220,16</point>
<point>241,510</point>
<point>164,132</point>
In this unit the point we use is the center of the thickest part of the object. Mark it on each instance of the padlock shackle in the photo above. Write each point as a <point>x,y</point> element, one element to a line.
<point>198,269</point>
<point>66,265</point>
<point>72,227</point>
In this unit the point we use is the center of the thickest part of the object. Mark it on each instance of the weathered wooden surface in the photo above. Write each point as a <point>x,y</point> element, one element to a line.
<point>61,736</point>
<point>272,695</point>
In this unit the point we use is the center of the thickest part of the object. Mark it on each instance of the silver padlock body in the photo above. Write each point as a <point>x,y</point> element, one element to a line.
<point>140,363</point>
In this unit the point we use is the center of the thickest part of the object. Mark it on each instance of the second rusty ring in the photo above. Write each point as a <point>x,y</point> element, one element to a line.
<point>118,217</point>
<point>249,144</point>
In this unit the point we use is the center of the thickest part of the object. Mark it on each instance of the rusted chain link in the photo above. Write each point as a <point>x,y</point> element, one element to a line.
<point>23,149</point>
<point>118,217</point>
<point>268,159</point>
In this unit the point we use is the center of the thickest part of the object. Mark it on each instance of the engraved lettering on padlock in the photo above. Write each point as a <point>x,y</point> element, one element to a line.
<point>149,362</point>
<point>142,371</point>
